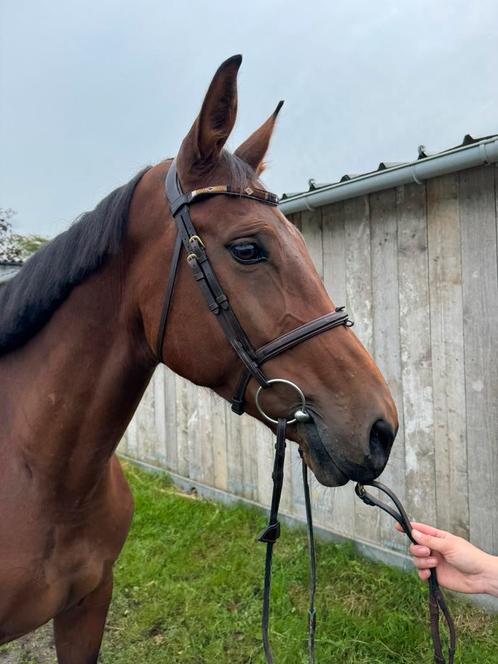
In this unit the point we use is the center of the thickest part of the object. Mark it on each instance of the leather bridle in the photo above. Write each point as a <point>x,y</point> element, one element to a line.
<point>252,360</point>
<point>216,299</point>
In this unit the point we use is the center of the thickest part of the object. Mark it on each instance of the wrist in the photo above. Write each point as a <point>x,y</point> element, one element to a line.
<point>490,575</point>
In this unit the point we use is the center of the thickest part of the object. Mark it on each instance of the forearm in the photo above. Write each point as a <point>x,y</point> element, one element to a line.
<point>490,576</point>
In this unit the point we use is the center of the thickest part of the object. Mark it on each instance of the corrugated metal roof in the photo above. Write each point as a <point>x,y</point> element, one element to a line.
<point>423,153</point>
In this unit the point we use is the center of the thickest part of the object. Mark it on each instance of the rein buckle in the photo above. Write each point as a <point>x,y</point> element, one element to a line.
<point>270,534</point>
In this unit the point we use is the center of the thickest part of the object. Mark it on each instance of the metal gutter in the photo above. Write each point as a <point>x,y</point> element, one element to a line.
<point>458,159</point>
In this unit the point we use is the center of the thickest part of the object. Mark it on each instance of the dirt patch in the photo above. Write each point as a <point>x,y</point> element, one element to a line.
<point>35,648</point>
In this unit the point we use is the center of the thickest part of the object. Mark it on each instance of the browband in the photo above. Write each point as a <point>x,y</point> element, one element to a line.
<point>260,195</point>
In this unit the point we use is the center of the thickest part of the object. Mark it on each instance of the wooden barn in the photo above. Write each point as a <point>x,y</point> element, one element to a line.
<point>411,250</point>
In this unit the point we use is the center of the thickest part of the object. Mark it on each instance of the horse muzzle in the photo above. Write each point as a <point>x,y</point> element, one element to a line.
<point>332,467</point>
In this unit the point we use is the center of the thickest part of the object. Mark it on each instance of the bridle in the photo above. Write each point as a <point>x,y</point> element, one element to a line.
<point>252,360</point>
<point>217,301</point>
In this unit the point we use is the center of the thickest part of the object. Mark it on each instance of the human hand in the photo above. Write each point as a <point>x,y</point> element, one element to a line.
<point>461,566</point>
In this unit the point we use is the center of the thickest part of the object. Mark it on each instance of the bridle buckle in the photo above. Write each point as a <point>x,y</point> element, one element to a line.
<point>196,238</point>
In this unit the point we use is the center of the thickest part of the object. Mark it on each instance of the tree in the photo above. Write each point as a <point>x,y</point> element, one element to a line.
<point>28,244</point>
<point>16,248</point>
<point>10,251</point>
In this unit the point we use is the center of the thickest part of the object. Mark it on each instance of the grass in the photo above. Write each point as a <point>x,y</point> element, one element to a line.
<point>188,589</point>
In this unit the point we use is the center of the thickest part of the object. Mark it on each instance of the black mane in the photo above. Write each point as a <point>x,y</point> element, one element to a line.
<point>28,301</point>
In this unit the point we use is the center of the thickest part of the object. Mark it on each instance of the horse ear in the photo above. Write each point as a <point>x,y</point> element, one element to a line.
<point>253,150</point>
<point>214,123</point>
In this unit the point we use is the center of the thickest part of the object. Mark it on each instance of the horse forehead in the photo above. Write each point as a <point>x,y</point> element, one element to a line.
<point>226,213</point>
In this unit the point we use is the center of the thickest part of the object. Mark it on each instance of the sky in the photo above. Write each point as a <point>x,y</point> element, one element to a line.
<point>90,92</point>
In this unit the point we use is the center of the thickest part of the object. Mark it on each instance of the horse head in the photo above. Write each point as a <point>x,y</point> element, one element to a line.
<point>262,263</point>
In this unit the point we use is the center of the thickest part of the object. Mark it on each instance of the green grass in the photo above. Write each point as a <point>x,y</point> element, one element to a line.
<point>188,589</point>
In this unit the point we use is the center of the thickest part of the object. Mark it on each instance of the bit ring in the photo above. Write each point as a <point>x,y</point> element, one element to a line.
<point>283,381</point>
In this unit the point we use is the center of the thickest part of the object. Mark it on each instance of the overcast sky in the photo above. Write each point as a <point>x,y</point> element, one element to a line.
<point>92,91</point>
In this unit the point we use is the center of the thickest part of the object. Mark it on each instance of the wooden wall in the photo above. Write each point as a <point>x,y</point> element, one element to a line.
<point>417,268</point>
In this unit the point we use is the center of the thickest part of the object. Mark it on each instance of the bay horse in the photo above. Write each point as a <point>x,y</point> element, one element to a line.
<point>78,326</point>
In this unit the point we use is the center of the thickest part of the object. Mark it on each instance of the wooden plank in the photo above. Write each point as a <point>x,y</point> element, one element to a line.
<point>139,429</point>
<point>182,426</point>
<point>170,381</point>
<point>131,437</point>
<point>248,452</point>
<point>146,427</point>
<point>219,409</point>
<point>386,341</point>
<point>480,305</point>
<point>311,228</point>
<point>265,442</point>
<point>416,361</point>
<point>160,416</point>
<point>235,472</point>
<point>124,443</point>
<point>205,425</point>
<point>334,252</point>
<point>338,513</point>
<point>358,267</point>
<point>359,305</point>
<point>197,431</point>
<point>448,376</point>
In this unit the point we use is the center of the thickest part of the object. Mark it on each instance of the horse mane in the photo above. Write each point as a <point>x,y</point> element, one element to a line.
<point>28,300</point>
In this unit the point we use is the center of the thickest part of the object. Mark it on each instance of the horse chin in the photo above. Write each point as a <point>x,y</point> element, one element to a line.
<point>322,462</point>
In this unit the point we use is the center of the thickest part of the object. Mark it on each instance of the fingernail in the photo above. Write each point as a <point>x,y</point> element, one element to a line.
<point>416,534</point>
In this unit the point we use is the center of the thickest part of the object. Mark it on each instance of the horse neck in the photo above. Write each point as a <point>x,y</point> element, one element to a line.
<point>75,386</point>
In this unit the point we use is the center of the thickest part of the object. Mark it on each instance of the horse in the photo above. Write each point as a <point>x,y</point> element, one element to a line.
<point>78,328</point>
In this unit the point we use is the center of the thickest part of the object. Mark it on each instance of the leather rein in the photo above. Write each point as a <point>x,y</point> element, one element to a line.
<point>252,359</point>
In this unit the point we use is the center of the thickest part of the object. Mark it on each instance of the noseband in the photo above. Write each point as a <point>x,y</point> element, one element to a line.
<point>252,359</point>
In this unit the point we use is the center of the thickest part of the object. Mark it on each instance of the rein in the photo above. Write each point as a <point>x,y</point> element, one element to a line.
<point>437,602</point>
<point>272,532</point>
<point>252,359</point>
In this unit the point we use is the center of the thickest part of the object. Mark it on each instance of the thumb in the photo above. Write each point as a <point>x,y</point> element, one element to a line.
<point>439,544</point>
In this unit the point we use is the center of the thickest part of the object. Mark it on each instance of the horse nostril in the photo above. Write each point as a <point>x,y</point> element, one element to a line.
<point>381,440</point>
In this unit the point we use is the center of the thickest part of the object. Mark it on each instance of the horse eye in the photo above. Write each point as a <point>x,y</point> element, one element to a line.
<point>247,252</point>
